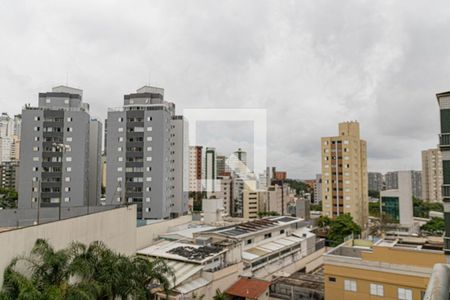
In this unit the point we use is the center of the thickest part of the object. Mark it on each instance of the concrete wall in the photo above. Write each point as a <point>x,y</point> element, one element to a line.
<point>116,228</point>
<point>146,235</point>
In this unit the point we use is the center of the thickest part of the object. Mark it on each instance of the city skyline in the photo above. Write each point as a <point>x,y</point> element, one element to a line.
<point>310,67</point>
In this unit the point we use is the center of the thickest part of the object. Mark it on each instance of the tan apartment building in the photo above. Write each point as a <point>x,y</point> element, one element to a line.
<point>344,174</point>
<point>397,269</point>
<point>253,202</point>
<point>195,168</point>
<point>432,178</point>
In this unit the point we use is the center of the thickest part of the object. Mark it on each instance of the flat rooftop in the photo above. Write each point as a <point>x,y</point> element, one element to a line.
<point>252,227</point>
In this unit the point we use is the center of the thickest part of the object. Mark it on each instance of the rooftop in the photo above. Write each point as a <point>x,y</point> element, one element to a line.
<point>248,288</point>
<point>251,227</point>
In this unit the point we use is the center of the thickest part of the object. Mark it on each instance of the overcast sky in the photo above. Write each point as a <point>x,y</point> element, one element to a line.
<point>311,64</point>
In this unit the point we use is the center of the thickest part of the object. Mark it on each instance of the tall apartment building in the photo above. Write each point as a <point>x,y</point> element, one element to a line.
<point>225,193</point>
<point>222,167</point>
<point>57,151</point>
<point>195,168</point>
<point>95,159</point>
<point>140,153</point>
<point>444,145</point>
<point>344,174</point>
<point>254,201</point>
<point>432,175</point>
<point>391,182</point>
<point>318,189</point>
<point>375,181</point>
<point>9,174</point>
<point>10,137</point>
<point>210,169</point>
<point>180,170</point>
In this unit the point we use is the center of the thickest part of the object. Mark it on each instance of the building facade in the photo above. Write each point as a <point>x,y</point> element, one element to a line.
<point>55,152</point>
<point>432,175</point>
<point>318,189</point>
<point>344,174</point>
<point>397,203</point>
<point>210,169</point>
<point>195,168</point>
<point>9,171</point>
<point>388,269</point>
<point>10,129</point>
<point>444,145</point>
<point>391,182</point>
<point>140,153</point>
<point>181,166</point>
<point>375,181</point>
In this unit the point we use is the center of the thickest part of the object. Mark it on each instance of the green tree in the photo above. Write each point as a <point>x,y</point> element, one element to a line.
<point>83,272</point>
<point>374,194</point>
<point>374,209</point>
<point>316,207</point>
<point>8,198</point>
<point>219,295</point>
<point>435,226</point>
<point>340,228</point>
<point>323,221</point>
<point>422,209</point>
<point>299,186</point>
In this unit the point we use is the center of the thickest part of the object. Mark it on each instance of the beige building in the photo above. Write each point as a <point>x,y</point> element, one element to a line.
<point>432,175</point>
<point>253,202</point>
<point>344,174</point>
<point>195,168</point>
<point>389,269</point>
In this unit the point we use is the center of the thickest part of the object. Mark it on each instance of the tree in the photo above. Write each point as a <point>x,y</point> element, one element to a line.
<point>219,295</point>
<point>374,209</point>
<point>422,209</point>
<point>267,213</point>
<point>323,221</point>
<point>83,272</point>
<point>299,186</point>
<point>8,198</point>
<point>435,226</point>
<point>340,228</point>
<point>316,207</point>
<point>374,194</point>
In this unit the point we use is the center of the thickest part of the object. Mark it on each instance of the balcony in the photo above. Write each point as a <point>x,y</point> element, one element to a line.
<point>444,141</point>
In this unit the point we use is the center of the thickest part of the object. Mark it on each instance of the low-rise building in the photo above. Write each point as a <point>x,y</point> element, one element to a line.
<point>388,269</point>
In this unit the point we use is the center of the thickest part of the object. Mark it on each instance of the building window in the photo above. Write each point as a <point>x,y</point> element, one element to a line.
<point>332,279</point>
<point>69,139</point>
<point>282,231</point>
<point>120,139</point>
<point>149,179</point>
<point>149,118</point>
<point>69,119</point>
<point>67,179</point>
<point>120,158</point>
<point>66,199</point>
<point>35,149</point>
<point>66,101</point>
<point>268,235</point>
<point>149,128</point>
<point>68,159</point>
<point>35,169</point>
<point>120,129</point>
<point>149,148</point>
<point>119,149</point>
<point>36,158</point>
<point>149,139</point>
<point>376,289</point>
<point>36,139</point>
<point>69,129</point>
<point>67,189</point>
<point>350,285</point>
<point>37,128</point>
<point>37,118</point>
<point>119,179</point>
<point>249,241</point>
<point>120,119</point>
<point>47,100</point>
<point>69,169</point>
<point>404,294</point>
<point>149,158</point>
<point>147,199</point>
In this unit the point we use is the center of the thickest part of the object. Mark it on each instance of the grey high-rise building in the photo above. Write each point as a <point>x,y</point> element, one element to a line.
<point>318,189</point>
<point>56,152</point>
<point>444,146</point>
<point>391,182</point>
<point>181,166</point>
<point>140,153</point>
<point>375,181</point>
<point>95,161</point>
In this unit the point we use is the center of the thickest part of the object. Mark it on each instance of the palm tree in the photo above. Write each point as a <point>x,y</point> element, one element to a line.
<point>83,272</point>
<point>219,295</point>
